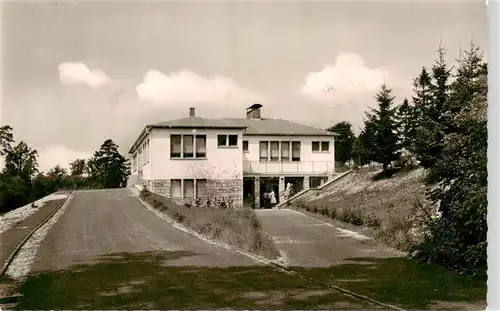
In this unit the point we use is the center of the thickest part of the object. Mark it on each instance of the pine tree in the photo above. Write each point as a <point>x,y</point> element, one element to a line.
<point>404,113</point>
<point>382,126</point>
<point>108,168</point>
<point>432,111</point>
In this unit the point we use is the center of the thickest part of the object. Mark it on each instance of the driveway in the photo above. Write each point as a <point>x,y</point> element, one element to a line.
<point>103,222</point>
<point>308,242</point>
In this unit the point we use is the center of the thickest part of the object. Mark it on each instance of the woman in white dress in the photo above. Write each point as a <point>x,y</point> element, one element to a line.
<point>272,196</point>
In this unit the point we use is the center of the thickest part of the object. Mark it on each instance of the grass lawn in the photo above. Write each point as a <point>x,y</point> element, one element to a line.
<point>405,283</point>
<point>146,281</point>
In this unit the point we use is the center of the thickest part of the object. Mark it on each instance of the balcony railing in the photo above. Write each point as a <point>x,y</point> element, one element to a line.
<point>291,167</point>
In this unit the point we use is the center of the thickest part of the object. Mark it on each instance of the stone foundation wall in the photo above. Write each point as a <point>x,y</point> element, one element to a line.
<point>215,193</point>
<point>161,186</point>
<point>227,191</point>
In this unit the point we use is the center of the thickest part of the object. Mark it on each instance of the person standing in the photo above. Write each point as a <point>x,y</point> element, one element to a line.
<point>266,199</point>
<point>272,199</point>
<point>287,191</point>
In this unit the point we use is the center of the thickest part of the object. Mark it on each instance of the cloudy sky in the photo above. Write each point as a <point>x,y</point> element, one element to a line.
<point>76,73</point>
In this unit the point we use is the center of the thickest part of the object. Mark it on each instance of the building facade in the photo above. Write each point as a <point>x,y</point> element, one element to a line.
<point>203,161</point>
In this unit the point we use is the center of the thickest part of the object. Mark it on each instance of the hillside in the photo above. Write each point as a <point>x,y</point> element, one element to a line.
<point>386,208</point>
<point>386,198</point>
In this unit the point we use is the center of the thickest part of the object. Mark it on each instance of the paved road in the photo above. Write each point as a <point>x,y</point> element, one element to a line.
<point>101,222</point>
<point>308,242</point>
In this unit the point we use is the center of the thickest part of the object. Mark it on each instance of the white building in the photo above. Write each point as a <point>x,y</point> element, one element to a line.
<point>229,159</point>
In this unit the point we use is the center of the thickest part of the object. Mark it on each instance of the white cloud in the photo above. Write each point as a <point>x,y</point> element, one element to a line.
<point>349,77</point>
<point>79,73</point>
<point>59,154</point>
<point>188,87</point>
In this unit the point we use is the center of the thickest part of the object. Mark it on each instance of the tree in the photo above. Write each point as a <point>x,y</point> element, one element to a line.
<point>381,130</point>
<point>6,139</point>
<point>108,168</point>
<point>57,177</point>
<point>405,123</point>
<point>77,167</point>
<point>14,192</point>
<point>344,141</point>
<point>458,238</point>
<point>434,115</point>
<point>363,145</point>
<point>21,161</point>
<point>422,102</point>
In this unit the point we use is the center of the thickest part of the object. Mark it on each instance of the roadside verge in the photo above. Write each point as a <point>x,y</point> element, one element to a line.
<point>235,226</point>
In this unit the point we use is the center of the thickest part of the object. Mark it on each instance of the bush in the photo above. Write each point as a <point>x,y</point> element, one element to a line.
<point>372,221</point>
<point>351,215</point>
<point>301,204</point>
<point>398,234</point>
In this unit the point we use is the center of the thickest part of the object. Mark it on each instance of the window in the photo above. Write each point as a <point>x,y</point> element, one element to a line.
<point>263,152</point>
<point>325,145</point>
<point>275,151</point>
<point>201,188</point>
<point>315,182</point>
<point>315,146</point>
<point>295,150</point>
<point>245,145</point>
<point>318,146</point>
<point>188,146</point>
<point>175,146</point>
<point>233,140</point>
<point>227,140</point>
<point>201,146</point>
<point>285,151</point>
<point>221,140</point>
<point>175,188</point>
<point>183,146</point>
<point>188,188</point>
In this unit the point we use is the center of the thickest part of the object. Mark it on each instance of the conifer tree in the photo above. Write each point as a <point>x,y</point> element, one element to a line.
<point>382,127</point>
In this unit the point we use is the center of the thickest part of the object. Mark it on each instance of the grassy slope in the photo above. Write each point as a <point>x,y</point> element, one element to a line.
<point>237,227</point>
<point>382,208</point>
<point>386,198</point>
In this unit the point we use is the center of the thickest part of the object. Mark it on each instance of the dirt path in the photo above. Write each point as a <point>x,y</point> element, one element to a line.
<point>308,242</point>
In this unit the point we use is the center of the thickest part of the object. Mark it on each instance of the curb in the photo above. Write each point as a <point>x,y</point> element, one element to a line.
<point>257,258</point>
<point>20,245</point>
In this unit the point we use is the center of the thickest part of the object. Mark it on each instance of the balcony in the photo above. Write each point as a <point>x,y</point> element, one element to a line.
<point>299,167</point>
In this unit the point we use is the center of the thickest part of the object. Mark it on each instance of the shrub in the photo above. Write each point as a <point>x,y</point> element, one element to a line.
<point>333,213</point>
<point>397,234</point>
<point>372,221</point>
<point>301,204</point>
<point>324,211</point>
<point>351,215</point>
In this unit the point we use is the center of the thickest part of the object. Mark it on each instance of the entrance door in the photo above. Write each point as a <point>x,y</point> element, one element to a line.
<point>268,184</point>
<point>249,192</point>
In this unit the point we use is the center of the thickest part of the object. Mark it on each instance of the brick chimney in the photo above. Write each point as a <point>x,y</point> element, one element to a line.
<point>253,112</point>
<point>191,112</point>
